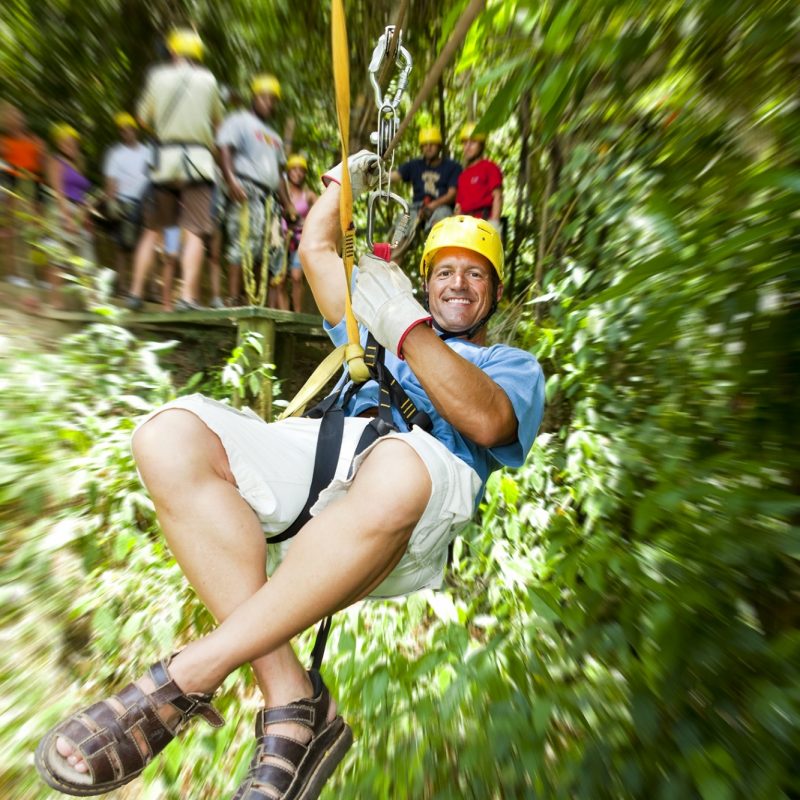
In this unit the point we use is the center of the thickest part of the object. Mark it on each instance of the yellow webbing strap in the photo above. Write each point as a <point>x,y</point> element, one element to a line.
<point>352,353</point>
<point>341,78</point>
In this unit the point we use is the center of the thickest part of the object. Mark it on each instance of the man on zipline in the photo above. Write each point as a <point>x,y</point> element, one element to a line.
<point>221,478</point>
<point>252,163</point>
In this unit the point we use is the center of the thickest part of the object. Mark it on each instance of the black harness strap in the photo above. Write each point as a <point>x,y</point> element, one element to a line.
<point>330,411</point>
<point>329,444</point>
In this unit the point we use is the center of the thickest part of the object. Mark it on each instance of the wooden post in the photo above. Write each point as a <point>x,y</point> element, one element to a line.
<point>266,327</point>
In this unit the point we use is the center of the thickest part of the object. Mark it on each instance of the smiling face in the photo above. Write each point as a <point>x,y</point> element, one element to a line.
<point>461,289</point>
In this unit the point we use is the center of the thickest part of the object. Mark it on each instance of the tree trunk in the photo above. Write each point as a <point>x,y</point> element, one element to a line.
<point>522,185</point>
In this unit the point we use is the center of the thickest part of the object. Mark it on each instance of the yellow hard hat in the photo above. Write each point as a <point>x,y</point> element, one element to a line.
<point>123,119</point>
<point>62,130</point>
<point>185,42</point>
<point>468,133</point>
<point>471,233</point>
<point>266,84</point>
<point>296,160</point>
<point>430,135</point>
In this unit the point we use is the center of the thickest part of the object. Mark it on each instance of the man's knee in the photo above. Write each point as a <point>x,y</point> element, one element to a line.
<point>398,481</point>
<point>174,445</point>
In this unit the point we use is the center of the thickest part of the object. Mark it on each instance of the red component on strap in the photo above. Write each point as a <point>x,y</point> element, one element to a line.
<point>382,250</point>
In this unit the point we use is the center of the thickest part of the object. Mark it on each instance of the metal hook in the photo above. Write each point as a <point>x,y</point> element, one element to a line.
<point>386,196</point>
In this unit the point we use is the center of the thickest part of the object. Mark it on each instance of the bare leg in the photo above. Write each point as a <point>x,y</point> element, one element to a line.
<point>191,264</point>
<point>214,263</point>
<point>219,544</point>
<point>143,261</point>
<point>167,280</point>
<point>297,290</point>
<point>277,295</point>
<point>121,260</point>
<point>235,282</point>
<point>364,539</point>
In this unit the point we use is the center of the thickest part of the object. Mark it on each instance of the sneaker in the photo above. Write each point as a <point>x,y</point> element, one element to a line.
<point>16,280</point>
<point>188,305</point>
<point>216,302</point>
<point>134,303</point>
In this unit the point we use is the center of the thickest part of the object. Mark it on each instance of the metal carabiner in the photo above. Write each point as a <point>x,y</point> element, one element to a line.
<point>371,200</point>
<point>405,70</point>
<point>379,54</point>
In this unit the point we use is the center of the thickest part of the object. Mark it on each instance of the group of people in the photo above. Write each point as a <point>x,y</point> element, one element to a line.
<point>210,178</point>
<point>29,172</point>
<point>203,178</point>
<point>443,187</point>
<point>359,500</point>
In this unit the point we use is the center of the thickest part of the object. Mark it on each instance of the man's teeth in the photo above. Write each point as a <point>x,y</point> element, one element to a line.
<point>460,300</point>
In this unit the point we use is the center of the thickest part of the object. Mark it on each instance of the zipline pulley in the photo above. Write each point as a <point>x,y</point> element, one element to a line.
<point>388,117</point>
<point>388,124</point>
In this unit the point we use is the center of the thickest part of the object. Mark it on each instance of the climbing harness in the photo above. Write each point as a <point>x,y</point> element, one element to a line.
<point>361,364</point>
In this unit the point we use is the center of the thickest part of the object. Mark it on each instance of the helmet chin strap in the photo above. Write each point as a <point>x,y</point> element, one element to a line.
<point>467,334</point>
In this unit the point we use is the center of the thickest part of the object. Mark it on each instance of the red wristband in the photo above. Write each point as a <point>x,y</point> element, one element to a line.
<point>420,321</point>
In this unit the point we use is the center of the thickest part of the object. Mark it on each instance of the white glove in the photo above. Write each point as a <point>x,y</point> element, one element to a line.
<point>363,172</point>
<point>383,301</point>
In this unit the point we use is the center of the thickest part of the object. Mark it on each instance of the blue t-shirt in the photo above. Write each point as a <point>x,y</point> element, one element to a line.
<point>515,371</point>
<point>429,181</point>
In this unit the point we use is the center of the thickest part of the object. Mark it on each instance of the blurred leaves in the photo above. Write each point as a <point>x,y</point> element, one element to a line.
<point>622,621</point>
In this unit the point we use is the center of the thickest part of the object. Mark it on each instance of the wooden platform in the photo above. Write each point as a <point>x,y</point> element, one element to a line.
<point>279,330</point>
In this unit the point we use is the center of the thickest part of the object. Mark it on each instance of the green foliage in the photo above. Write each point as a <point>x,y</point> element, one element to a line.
<point>622,621</point>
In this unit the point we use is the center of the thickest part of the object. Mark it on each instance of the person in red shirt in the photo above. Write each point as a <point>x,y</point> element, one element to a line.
<point>480,185</point>
<point>22,162</point>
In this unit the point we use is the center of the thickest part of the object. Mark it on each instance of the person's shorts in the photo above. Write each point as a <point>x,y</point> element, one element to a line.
<point>264,219</point>
<point>188,207</point>
<point>294,261</point>
<point>129,224</point>
<point>273,464</point>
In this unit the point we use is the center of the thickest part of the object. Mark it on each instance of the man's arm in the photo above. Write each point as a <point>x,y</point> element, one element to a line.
<point>497,204</point>
<point>235,189</point>
<point>289,211</point>
<point>445,200</point>
<point>320,243</point>
<point>462,393</point>
<point>319,254</point>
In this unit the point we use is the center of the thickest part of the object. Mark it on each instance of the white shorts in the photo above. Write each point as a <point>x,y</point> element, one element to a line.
<point>272,464</point>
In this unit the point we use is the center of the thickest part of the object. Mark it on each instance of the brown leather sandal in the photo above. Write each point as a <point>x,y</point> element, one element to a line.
<point>117,745</point>
<point>303,768</point>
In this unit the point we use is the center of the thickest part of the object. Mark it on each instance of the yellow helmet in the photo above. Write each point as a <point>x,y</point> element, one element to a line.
<point>123,119</point>
<point>296,160</point>
<point>62,130</point>
<point>185,42</point>
<point>266,84</point>
<point>430,135</point>
<point>471,233</point>
<point>468,133</point>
